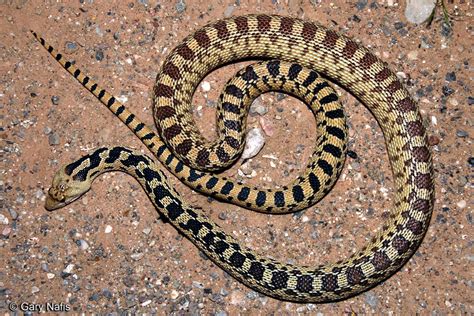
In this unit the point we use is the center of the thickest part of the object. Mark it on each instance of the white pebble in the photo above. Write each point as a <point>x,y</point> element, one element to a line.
<point>69,268</point>
<point>3,219</point>
<point>50,276</point>
<point>146,303</point>
<point>174,294</point>
<point>417,11</point>
<point>434,120</point>
<point>35,289</point>
<point>108,229</point>
<point>461,204</point>
<point>253,143</point>
<point>304,219</point>
<point>206,86</point>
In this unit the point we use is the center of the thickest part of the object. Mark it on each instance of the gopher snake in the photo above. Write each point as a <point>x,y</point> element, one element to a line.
<point>317,48</point>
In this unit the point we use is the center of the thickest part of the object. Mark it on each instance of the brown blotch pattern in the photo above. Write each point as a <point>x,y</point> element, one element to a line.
<point>286,25</point>
<point>407,105</point>
<point>172,131</point>
<point>380,261</point>
<point>222,31</point>
<point>350,48</point>
<point>421,154</point>
<point>171,70</point>
<point>354,275</point>
<point>368,60</point>
<point>423,180</point>
<point>331,38</point>
<point>309,30</point>
<point>184,51</point>
<point>382,75</point>
<point>400,244</point>
<point>263,23</point>
<point>161,90</point>
<point>414,226</point>
<point>202,38</point>
<point>163,112</point>
<point>242,24</point>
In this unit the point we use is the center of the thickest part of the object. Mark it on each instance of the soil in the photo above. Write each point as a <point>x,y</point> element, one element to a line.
<point>110,251</point>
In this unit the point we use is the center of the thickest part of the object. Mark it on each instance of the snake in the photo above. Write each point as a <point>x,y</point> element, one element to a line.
<point>307,45</point>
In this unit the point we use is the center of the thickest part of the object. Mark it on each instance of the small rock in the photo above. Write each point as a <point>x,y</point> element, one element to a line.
<point>108,229</point>
<point>446,30</point>
<point>55,99</point>
<point>361,4</point>
<point>174,294</point>
<point>99,31</point>
<point>229,10</point>
<point>470,161</point>
<point>136,256</point>
<point>257,108</point>
<point>3,219</point>
<point>53,139</point>
<point>447,91</point>
<point>180,6</point>
<point>470,100</point>
<point>69,268</point>
<point>13,213</point>
<point>237,298</point>
<point>451,76</point>
<point>206,86</point>
<point>253,143</point>
<point>71,47</point>
<point>461,204</point>
<point>147,231</point>
<point>461,133</point>
<point>371,299</point>
<point>107,294</point>
<point>50,276</point>
<point>417,11</point>
<point>44,267</point>
<point>99,55</point>
<point>413,55</point>
<point>267,126</point>
<point>35,289</point>
<point>82,244</point>
<point>220,313</point>
<point>399,25</point>
<point>47,130</point>
<point>6,231</point>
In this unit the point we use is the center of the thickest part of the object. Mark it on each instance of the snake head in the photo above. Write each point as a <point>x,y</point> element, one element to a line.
<point>64,190</point>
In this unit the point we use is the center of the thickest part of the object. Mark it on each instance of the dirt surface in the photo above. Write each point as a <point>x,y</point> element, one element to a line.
<point>109,251</point>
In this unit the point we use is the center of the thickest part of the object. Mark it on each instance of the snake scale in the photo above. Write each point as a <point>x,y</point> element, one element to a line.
<point>306,45</point>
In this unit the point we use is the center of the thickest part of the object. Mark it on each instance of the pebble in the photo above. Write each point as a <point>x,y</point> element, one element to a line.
<point>82,244</point>
<point>53,139</point>
<point>470,100</point>
<point>55,99</point>
<point>447,91</point>
<point>417,11</point>
<point>229,10</point>
<point>451,76</point>
<point>174,294</point>
<point>35,289</point>
<point>108,229</point>
<point>413,55</point>
<point>3,219</point>
<point>461,133</point>
<point>44,267</point>
<point>136,256</point>
<point>446,30</point>
<point>50,276</point>
<point>371,299</point>
<point>13,213</point>
<point>206,86</point>
<point>267,126</point>
<point>6,231</point>
<point>71,47</point>
<point>220,313</point>
<point>254,142</point>
<point>470,161</point>
<point>107,294</point>
<point>461,204</point>
<point>257,108</point>
<point>99,55</point>
<point>180,6</point>
<point>237,298</point>
<point>146,231</point>
<point>68,268</point>
<point>361,4</point>
<point>47,130</point>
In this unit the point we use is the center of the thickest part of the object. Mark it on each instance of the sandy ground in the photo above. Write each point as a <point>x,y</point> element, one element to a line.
<point>109,252</point>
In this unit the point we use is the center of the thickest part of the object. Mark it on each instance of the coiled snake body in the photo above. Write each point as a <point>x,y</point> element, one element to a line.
<point>306,45</point>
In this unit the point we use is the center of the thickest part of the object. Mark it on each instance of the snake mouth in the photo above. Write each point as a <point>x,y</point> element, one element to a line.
<point>52,204</point>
